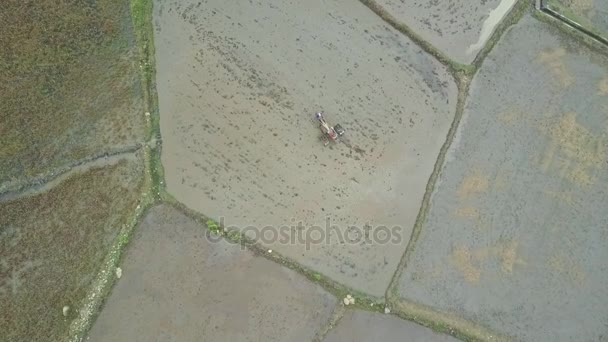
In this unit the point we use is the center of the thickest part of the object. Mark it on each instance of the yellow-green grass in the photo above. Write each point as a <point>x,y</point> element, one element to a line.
<point>69,80</point>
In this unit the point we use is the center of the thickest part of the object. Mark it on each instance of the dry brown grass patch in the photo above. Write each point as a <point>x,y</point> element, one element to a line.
<point>52,244</point>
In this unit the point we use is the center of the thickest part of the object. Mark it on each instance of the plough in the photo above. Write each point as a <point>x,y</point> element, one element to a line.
<point>330,133</point>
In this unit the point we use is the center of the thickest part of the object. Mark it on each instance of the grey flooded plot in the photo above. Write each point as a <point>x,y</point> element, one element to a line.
<point>363,326</point>
<point>239,83</point>
<point>459,28</point>
<point>177,286</point>
<point>516,235</point>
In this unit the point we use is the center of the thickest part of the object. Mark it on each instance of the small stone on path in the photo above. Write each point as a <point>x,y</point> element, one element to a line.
<point>348,300</point>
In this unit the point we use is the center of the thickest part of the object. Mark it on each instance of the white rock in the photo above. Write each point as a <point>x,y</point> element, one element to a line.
<point>270,251</point>
<point>387,310</point>
<point>346,301</point>
<point>118,272</point>
<point>352,300</point>
<point>66,310</point>
<point>147,113</point>
<point>349,296</point>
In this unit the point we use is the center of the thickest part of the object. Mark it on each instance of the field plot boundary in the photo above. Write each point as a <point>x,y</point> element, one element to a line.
<point>545,8</point>
<point>155,190</point>
<point>18,188</point>
<point>153,182</point>
<point>234,236</point>
<point>563,34</point>
<point>462,75</point>
<point>432,318</point>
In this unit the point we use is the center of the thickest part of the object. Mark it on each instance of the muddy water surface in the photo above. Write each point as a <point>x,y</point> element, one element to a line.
<point>239,83</point>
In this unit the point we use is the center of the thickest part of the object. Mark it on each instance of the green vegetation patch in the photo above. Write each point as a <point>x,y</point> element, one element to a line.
<point>213,226</point>
<point>69,83</point>
<point>53,243</point>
